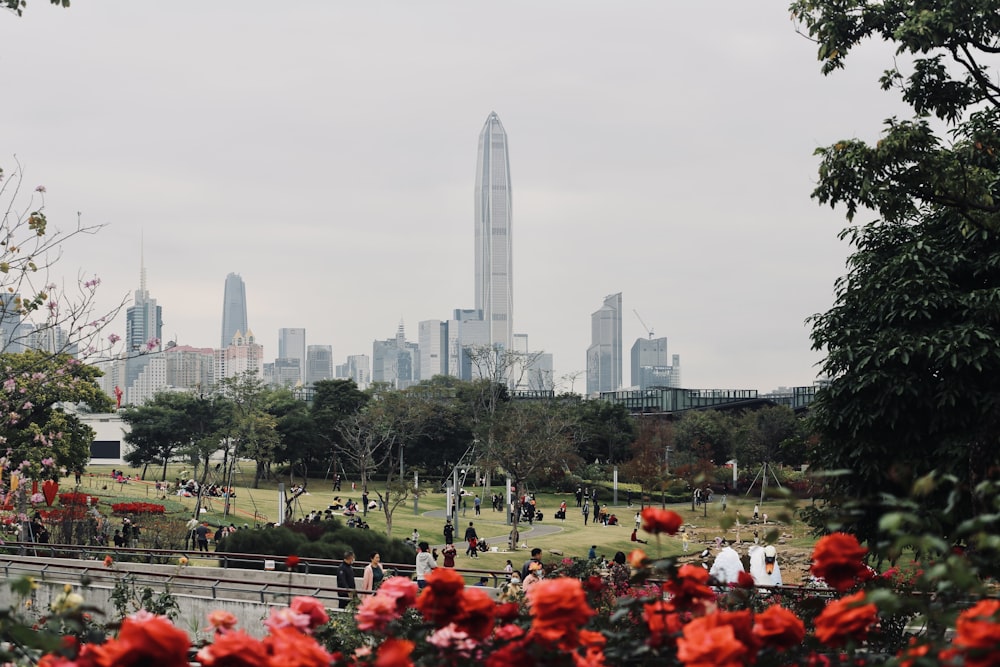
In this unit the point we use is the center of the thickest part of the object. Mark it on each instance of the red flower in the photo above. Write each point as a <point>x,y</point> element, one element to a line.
<point>914,651</point>
<point>744,580</point>
<point>507,612</point>
<point>290,648</point>
<point>709,641</point>
<point>234,649</point>
<point>439,602</point>
<point>663,621</point>
<point>292,561</point>
<point>689,588</point>
<point>837,559</point>
<point>144,640</point>
<point>401,589</point>
<point>977,634</point>
<point>844,619</point>
<point>477,612</point>
<point>312,608</point>
<point>779,628</point>
<point>559,610</point>
<point>394,653</point>
<point>655,520</point>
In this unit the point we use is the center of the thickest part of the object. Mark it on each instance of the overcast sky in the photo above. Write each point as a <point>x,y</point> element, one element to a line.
<point>326,152</point>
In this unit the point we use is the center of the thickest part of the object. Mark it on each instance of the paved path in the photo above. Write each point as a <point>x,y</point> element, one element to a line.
<point>538,529</point>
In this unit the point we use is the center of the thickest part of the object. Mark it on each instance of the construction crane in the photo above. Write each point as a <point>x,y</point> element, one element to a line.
<point>644,325</point>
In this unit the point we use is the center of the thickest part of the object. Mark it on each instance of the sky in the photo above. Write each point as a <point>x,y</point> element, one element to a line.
<point>326,152</point>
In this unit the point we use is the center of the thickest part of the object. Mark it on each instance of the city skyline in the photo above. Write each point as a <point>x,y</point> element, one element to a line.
<point>646,160</point>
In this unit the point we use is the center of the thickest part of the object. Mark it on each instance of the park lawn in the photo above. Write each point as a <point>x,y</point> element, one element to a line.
<point>573,539</point>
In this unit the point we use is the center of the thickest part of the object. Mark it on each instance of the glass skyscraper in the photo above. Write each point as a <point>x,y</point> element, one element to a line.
<point>494,275</point>
<point>604,356</point>
<point>234,309</point>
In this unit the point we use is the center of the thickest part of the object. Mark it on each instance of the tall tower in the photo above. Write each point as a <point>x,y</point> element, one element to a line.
<point>494,268</point>
<point>604,356</point>
<point>143,319</point>
<point>234,309</point>
<point>292,345</point>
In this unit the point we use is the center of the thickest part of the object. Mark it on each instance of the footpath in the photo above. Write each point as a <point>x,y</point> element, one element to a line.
<point>527,531</point>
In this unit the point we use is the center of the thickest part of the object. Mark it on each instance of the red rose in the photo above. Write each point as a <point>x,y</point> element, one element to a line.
<point>977,634</point>
<point>663,621</point>
<point>477,612</point>
<point>394,653</point>
<point>559,610</point>
<point>440,600</point>
<point>837,559</point>
<point>844,619</point>
<point>292,562</point>
<point>290,648</point>
<point>779,628</point>
<point>708,641</point>
<point>234,649</point>
<point>689,588</point>
<point>655,520</point>
<point>144,640</point>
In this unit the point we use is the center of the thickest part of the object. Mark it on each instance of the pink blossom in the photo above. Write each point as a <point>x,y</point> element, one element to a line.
<point>27,405</point>
<point>36,498</point>
<point>40,188</point>
<point>9,385</point>
<point>284,617</point>
<point>376,612</point>
<point>48,461</point>
<point>449,637</point>
<point>114,338</point>
<point>152,343</point>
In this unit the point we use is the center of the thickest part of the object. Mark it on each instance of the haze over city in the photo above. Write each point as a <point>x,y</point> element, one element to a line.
<point>327,154</point>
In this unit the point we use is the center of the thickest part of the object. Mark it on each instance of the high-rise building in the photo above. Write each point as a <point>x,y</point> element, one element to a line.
<point>190,367</point>
<point>357,368</point>
<point>494,267</point>
<point>242,355</point>
<point>13,328</point>
<point>604,356</point>
<point>319,363</point>
<point>651,366</point>
<point>143,320</point>
<point>234,309</point>
<point>395,361</point>
<point>143,333</point>
<point>433,341</point>
<point>292,345</point>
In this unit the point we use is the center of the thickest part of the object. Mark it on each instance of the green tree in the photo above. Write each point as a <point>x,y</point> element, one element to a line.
<point>606,431</point>
<point>40,434</point>
<point>703,435</point>
<point>333,402</point>
<point>253,431</point>
<point>909,420</point>
<point>767,435</point>
<point>948,50</point>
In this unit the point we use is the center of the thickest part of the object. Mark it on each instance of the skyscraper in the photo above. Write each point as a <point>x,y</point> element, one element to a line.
<point>651,366</point>
<point>234,309</point>
<point>604,356</point>
<point>292,345</point>
<point>143,320</point>
<point>319,363</point>
<point>494,274</point>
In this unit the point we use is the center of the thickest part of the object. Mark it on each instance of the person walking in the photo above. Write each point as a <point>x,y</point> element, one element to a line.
<point>477,503</point>
<point>586,512</point>
<point>202,533</point>
<point>345,579</point>
<point>472,539</point>
<point>374,574</point>
<point>425,563</point>
<point>449,532</point>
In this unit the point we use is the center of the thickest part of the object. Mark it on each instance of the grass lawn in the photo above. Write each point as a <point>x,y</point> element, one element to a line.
<point>571,537</point>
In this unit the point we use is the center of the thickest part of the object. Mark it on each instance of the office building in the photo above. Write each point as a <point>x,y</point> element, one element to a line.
<point>190,367</point>
<point>292,345</point>
<point>234,309</point>
<point>652,366</point>
<point>357,368</point>
<point>319,363</point>
<point>13,328</point>
<point>494,267</point>
<point>143,320</point>
<point>395,361</point>
<point>604,356</point>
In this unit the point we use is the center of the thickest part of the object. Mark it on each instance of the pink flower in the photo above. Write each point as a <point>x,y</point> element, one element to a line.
<point>222,620</point>
<point>312,608</point>
<point>114,338</point>
<point>450,638</point>
<point>376,612</point>
<point>40,188</point>
<point>286,618</point>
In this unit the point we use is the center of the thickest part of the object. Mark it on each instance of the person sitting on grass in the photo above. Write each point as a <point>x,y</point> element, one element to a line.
<point>635,537</point>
